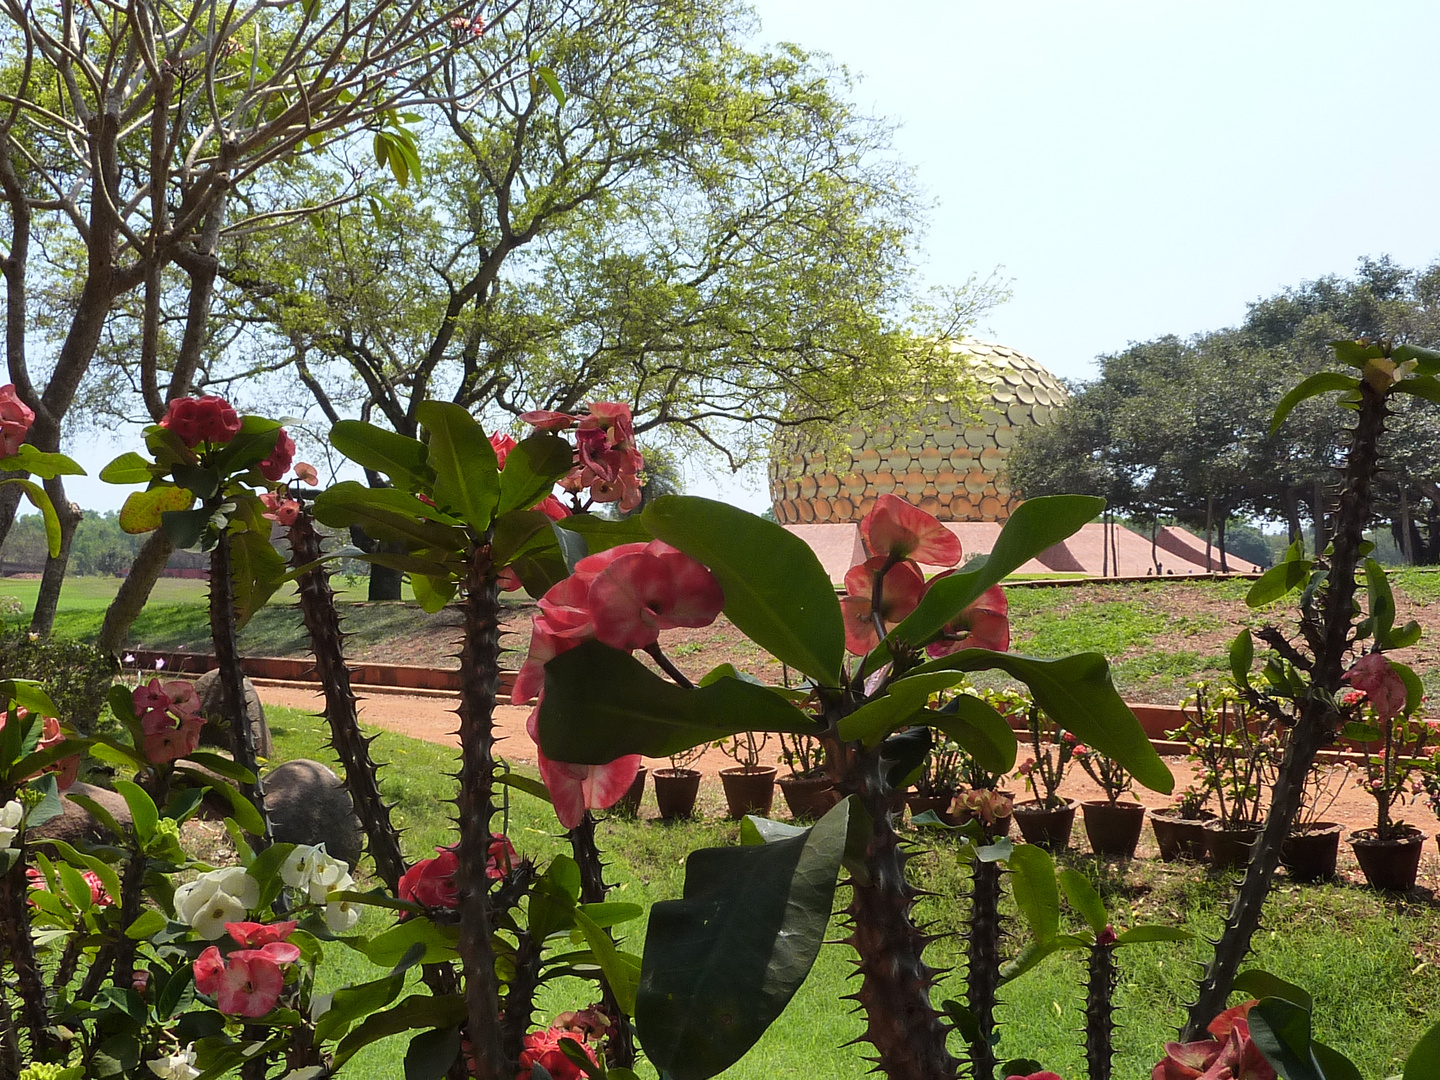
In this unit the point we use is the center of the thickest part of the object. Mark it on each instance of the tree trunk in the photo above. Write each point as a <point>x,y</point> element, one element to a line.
<point>1318,512</point>
<point>1292,515</point>
<point>145,571</point>
<point>1407,546</point>
<point>1105,544</point>
<point>1220,540</point>
<point>1209,525</point>
<point>51,582</point>
<point>1154,543</point>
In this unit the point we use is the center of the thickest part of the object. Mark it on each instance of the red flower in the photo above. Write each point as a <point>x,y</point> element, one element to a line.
<point>1380,682</point>
<point>543,1048</point>
<point>983,624</point>
<point>279,509</point>
<point>431,882</point>
<point>896,529</point>
<point>502,856</point>
<point>546,420</point>
<point>278,463</point>
<point>98,896</point>
<point>503,444</point>
<point>1047,1075</point>
<point>552,508</point>
<point>203,419</point>
<point>903,587</point>
<point>246,983</point>
<point>1230,1055</point>
<point>257,934</point>
<point>15,420</point>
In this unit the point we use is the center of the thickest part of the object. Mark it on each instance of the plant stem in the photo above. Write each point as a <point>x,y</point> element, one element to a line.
<point>479,685</point>
<point>982,974</point>
<point>592,891</point>
<point>1100,1011</point>
<point>21,950</point>
<point>232,679</point>
<point>1317,716</point>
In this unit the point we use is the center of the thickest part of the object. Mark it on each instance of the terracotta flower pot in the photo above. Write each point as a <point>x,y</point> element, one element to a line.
<point>629,804</point>
<point>1309,853</point>
<point>919,804</point>
<point>748,790</point>
<point>1229,848</point>
<point>1389,864</point>
<point>1047,828</point>
<point>1113,828</point>
<point>808,797</point>
<point>1178,837</point>
<point>675,792</point>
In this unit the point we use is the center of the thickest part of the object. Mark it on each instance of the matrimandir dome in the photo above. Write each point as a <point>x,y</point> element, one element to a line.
<point>952,467</point>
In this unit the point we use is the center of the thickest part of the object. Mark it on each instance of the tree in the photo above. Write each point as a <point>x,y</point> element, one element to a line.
<point>709,234</point>
<point>130,136</point>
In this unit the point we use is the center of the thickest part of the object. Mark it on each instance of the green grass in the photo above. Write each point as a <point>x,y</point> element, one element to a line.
<point>1368,959</point>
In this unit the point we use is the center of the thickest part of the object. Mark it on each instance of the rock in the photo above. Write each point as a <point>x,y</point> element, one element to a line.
<point>76,824</point>
<point>217,727</point>
<point>308,804</point>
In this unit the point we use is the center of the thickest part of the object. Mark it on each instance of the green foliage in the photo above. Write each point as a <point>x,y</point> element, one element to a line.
<point>75,675</point>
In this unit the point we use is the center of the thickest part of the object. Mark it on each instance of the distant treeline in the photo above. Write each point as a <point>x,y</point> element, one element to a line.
<point>100,547</point>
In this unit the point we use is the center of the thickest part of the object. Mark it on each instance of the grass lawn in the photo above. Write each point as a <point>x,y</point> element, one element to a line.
<point>1369,960</point>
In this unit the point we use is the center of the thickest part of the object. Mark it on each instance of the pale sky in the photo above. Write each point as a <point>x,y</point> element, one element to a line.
<point>1136,169</point>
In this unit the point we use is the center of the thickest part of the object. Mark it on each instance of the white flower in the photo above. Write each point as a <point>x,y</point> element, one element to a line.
<point>341,915</point>
<point>177,1066</point>
<point>314,871</point>
<point>11,814</point>
<point>211,900</point>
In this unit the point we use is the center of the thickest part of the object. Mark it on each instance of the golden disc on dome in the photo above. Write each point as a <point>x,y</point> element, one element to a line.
<point>930,505</point>
<point>883,438</point>
<point>945,436</point>
<point>961,458</point>
<point>990,506</point>
<point>1019,414</point>
<point>866,505</point>
<point>867,460</point>
<point>822,509</point>
<point>975,437</point>
<point>807,511</point>
<point>1040,414</point>
<point>853,485</point>
<point>976,481</point>
<point>915,481</point>
<point>884,483</point>
<point>792,488</point>
<point>1005,436</point>
<point>931,458</point>
<point>1025,394</point>
<point>788,512</point>
<point>807,486</point>
<point>898,460</point>
<point>829,485</point>
<point>842,509</point>
<point>991,460</point>
<point>945,481</point>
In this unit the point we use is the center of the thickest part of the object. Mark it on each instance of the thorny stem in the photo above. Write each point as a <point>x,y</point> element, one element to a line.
<point>592,891</point>
<point>21,950</point>
<point>982,975</point>
<point>1314,726</point>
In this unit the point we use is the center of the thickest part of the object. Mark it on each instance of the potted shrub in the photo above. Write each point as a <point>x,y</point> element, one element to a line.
<point>1048,818</point>
<point>939,779</point>
<point>1237,755</point>
<point>1395,741</point>
<point>809,791</point>
<point>1313,843</point>
<point>676,788</point>
<point>1112,826</point>
<point>980,794</point>
<point>749,786</point>
<point>1180,830</point>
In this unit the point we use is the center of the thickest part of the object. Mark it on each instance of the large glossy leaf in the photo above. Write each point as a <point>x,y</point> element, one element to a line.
<point>622,971</point>
<point>142,509</point>
<point>128,468</point>
<point>1421,386</point>
<point>1424,1060</point>
<point>983,732</point>
<point>1280,579</point>
<point>1077,693</point>
<point>401,458</point>
<point>386,514</point>
<point>601,534</point>
<point>1427,362</point>
<point>1032,880</point>
<point>467,476</point>
<point>256,571</point>
<point>532,468</point>
<point>1322,382</point>
<point>601,704</point>
<point>254,443</point>
<point>776,592</point>
<point>722,962</point>
<point>46,465</point>
<point>875,719</point>
<point>1281,1032</point>
<point>1259,983</point>
<point>28,694</point>
<point>1084,899</point>
<point>1037,524</point>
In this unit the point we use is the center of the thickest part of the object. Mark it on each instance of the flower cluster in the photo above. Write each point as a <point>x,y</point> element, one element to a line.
<point>11,816</point>
<point>247,981</point>
<point>170,718</point>
<point>607,464</point>
<point>34,879</point>
<point>1376,678</point>
<point>177,1066</point>
<point>889,585</point>
<point>1230,1053</point>
<point>623,597</point>
<point>216,898</point>
<point>67,769</point>
<point>312,871</point>
<point>431,882</point>
<point>15,420</point>
<point>207,419</point>
<point>543,1048</point>
<point>989,806</point>
<point>274,467</point>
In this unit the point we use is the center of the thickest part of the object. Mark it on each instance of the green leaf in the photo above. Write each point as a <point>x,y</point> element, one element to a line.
<point>1414,688</point>
<point>1424,1060</point>
<point>144,815</point>
<point>1427,362</point>
<point>351,1003</point>
<point>1421,386</point>
<point>387,514</point>
<point>36,494</point>
<point>221,766</point>
<point>203,481</point>
<point>1242,657</point>
<point>148,923</point>
<point>980,729</point>
<point>1322,382</point>
<point>622,971</point>
<point>103,870</point>
<point>431,1053</point>
<point>401,458</point>
<point>467,477</point>
<point>28,694</point>
<point>776,592</point>
<point>875,719</point>
<point>185,527</point>
<point>1381,601</point>
<point>1035,525</point>
<point>47,465</point>
<point>601,534</point>
<point>1032,881</point>
<point>389,948</point>
<point>1280,579</point>
<point>433,593</point>
<point>532,468</point>
<point>527,784</point>
<point>1140,935</point>
<point>99,813</point>
<point>416,1011</point>
<point>520,532</point>
<point>1034,952</point>
<point>601,704</point>
<point>1084,899</point>
<point>256,571</point>
<point>1077,693</point>
<point>1261,984</point>
<point>552,83</point>
<point>722,962</point>
<point>1280,1030</point>
<point>254,443</point>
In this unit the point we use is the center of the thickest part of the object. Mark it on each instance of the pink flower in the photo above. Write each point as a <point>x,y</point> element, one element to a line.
<point>502,856</point>
<point>577,788</point>
<point>552,508</point>
<point>246,983</point>
<point>1230,1055</point>
<point>543,1048</point>
<point>983,624</point>
<point>98,896</point>
<point>278,463</point>
<point>279,509</point>
<point>51,734</point>
<point>15,420</point>
<point>306,474</point>
<point>547,420</point>
<point>1380,682</point>
<point>170,719</point>
<point>896,529</point>
<point>903,587</point>
<point>258,934</point>
<point>642,593</point>
<point>431,882</point>
<point>1047,1075</point>
<point>204,419</point>
<point>503,444</point>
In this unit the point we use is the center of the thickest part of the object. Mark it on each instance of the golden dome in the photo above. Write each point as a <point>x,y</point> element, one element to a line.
<point>953,467</point>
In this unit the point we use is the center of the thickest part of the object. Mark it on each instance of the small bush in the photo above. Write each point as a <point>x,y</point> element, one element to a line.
<point>75,675</point>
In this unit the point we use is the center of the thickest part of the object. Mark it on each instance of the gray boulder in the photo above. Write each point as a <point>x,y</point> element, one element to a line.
<point>217,728</point>
<point>308,804</point>
<point>76,824</point>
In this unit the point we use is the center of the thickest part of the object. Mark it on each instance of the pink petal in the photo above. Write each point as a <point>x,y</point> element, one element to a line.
<point>895,527</point>
<point>626,598</point>
<point>1382,684</point>
<point>860,636</point>
<point>605,785</point>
